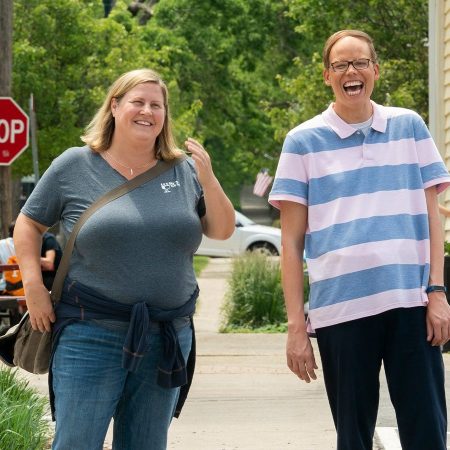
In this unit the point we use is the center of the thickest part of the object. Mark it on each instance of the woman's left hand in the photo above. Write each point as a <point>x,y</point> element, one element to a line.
<point>202,161</point>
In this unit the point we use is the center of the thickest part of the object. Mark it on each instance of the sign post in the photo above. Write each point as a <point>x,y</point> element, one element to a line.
<point>34,149</point>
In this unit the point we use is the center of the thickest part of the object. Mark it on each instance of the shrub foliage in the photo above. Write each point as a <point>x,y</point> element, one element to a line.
<point>255,297</point>
<point>22,411</point>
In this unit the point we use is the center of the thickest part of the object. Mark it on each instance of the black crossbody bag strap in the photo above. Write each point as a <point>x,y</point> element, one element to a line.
<point>119,191</point>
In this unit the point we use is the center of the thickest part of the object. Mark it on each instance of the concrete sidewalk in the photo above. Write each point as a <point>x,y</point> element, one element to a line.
<point>243,395</point>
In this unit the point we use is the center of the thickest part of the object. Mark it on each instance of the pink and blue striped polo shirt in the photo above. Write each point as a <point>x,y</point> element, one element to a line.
<point>367,239</point>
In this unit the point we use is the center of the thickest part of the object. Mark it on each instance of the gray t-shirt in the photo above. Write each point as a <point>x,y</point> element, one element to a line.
<point>137,248</point>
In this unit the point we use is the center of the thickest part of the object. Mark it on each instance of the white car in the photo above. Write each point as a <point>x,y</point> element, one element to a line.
<point>248,236</point>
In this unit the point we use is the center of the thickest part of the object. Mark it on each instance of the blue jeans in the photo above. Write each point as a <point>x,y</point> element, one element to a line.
<point>91,387</point>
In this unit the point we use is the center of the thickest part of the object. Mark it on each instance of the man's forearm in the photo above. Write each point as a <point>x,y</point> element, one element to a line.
<point>292,280</point>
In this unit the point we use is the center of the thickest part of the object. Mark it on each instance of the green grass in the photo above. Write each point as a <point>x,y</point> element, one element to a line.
<point>279,328</point>
<point>200,262</point>
<point>254,300</point>
<point>22,410</point>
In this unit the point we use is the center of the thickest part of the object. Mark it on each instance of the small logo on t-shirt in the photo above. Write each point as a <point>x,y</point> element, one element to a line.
<point>169,185</point>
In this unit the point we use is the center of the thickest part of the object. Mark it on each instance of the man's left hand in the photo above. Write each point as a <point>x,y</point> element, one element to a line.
<point>438,319</point>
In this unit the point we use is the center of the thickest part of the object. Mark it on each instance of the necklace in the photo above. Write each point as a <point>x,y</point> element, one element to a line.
<point>131,169</point>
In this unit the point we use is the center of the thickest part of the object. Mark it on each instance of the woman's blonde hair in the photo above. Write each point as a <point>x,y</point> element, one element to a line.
<point>99,133</point>
<point>342,34</point>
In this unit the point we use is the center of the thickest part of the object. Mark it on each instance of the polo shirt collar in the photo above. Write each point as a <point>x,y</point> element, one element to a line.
<point>344,130</point>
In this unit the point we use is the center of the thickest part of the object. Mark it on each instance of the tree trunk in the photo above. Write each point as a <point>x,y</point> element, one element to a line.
<point>6,26</point>
<point>143,8</point>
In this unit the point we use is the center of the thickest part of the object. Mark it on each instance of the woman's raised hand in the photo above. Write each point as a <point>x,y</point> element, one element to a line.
<point>202,161</point>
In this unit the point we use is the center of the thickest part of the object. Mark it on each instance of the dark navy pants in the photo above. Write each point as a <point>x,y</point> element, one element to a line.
<point>352,353</point>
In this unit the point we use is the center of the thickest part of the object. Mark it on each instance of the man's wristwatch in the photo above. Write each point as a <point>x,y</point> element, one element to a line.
<point>435,288</point>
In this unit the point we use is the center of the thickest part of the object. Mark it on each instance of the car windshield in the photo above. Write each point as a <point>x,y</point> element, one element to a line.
<point>243,220</point>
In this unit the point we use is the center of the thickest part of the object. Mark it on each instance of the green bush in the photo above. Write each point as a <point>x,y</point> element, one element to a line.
<point>22,411</point>
<point>305,285</point>
<point>255,297</point>
<point>447,248</point>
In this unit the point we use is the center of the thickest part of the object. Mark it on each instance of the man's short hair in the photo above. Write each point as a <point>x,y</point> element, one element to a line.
<point>342,34</point>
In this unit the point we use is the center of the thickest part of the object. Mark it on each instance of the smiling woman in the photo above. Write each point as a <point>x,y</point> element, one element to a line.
<point>126,310</point>
<point>132,129</point>
<point>139,117</point>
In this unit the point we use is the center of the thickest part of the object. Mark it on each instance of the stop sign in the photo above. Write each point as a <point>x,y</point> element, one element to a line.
<point>13,131</point>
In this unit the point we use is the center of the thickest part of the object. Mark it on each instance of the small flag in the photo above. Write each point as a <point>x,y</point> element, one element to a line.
<point>263,181</point>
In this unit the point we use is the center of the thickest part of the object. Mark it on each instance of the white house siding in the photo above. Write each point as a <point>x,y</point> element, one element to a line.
<point>439,32</point>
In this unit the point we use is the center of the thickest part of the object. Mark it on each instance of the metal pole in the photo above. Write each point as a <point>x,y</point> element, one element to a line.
<point>34,147</point>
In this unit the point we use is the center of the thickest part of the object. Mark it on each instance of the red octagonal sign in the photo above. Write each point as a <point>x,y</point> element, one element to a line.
<point>13,131</point>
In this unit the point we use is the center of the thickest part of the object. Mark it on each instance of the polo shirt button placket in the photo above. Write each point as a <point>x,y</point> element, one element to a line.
<point>366,151</point>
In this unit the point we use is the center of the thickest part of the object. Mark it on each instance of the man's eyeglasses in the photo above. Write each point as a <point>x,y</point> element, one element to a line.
<point>358,64</point>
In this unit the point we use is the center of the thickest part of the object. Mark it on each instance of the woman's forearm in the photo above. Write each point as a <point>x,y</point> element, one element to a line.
<point>219,220</point>
<point>27,243</point>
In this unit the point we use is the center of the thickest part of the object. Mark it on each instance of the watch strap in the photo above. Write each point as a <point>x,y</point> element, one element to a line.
<point>435,288</point>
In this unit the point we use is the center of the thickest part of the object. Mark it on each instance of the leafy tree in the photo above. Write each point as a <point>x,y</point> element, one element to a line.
<point>241,73</point>
<point>218,58</point>
<point>67,56</point>
<point>225,59</point>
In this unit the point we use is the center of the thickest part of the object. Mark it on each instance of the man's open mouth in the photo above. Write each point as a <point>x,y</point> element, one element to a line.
<point>353,87</point>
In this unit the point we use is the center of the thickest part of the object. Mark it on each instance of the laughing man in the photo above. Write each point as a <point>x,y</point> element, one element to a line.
<point>357,188</point>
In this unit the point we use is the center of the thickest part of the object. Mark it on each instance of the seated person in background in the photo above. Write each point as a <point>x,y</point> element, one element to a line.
<point>51,254</point>
<point>7,246</point>
<point>6,251</point>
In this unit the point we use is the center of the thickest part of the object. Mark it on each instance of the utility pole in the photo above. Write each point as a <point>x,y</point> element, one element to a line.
<point>6,27</point>
<point>34,149</point>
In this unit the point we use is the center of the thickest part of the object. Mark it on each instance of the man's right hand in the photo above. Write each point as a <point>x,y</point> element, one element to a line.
<point>300,355</point>
<point>40,308</point>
